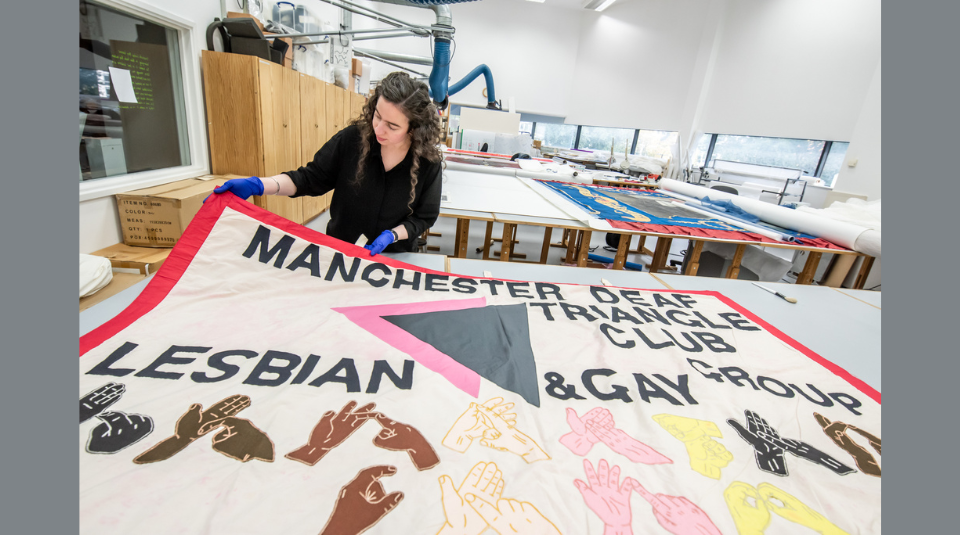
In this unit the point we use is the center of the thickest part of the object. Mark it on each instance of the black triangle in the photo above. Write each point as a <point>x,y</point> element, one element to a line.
<point>493,341</point>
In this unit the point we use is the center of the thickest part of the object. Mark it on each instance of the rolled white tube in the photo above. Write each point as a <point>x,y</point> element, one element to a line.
<point>838,232</point>
<point>733,221</point>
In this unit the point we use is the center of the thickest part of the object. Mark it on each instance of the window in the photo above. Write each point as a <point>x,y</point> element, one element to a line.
<point>698,159</point>
<point>815,158</point>
<point>561,136</point>
<point>131,95</point>
<point>831,167</point>
<point>803,154</point>
<point>599,138</point>
<point>656,143</point>
<point>526,127</point>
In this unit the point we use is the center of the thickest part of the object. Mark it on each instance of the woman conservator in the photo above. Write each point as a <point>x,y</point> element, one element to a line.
<point>385,170</point>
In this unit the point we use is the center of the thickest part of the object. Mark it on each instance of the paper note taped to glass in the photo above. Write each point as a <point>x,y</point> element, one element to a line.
<point>271,379</point>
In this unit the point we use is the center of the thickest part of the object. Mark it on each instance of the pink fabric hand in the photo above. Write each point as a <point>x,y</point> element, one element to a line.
<point>606,497</point>
<point>678,515</point>
<point>580,440</point>
<point>631,448</point>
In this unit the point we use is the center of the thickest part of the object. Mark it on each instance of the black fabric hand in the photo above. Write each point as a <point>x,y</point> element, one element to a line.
<point>118,430</point>
<point>761,436</point>
<point>808,452</point>
<point>98,400</point>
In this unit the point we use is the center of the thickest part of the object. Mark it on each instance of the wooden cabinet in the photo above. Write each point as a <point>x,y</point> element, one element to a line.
<point>313,134</point>
<point>356,105</point>
<point>263,119</point>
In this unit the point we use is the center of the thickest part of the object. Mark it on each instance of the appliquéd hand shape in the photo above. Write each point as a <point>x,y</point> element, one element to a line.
<point>362,502</point>
<point>678,515</point>
<point>398,436</point>
<point>194,423</point>
<point>606,497</point>
<point>484,480</point>
<point>332,429</point>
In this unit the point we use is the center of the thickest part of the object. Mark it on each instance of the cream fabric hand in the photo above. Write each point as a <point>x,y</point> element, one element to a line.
<point>502,435</point>
<point>483,480</point>
<point>469,426</point>
<point>512,516</point>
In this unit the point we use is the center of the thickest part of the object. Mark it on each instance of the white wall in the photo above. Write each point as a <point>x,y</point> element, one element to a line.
<point>865,148</point>
<point>793,68</point>
<point>635,64</point>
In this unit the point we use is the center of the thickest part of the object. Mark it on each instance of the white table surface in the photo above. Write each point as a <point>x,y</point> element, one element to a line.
<point>866,296</point>
<point>841,328</point>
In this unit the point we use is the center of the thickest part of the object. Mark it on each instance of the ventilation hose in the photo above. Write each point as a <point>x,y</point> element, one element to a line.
<point>488,78</point>
<point>441,70</point>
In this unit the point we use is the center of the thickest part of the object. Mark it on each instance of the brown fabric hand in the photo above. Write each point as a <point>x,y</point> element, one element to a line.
<point>332,429</point>
<point>837,431</point>
<point>242,440</point>
<point>397,436</point>
<point>362,503</point>
<point>192,425</point>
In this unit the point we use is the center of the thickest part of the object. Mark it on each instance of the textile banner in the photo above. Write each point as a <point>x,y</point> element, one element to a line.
<point>650,211</point>
<point>271,379</point>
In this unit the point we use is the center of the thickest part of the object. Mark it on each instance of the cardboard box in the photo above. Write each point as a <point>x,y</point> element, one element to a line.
<point>356,67</point>
<point>143,260</point>
<point>157,216</point>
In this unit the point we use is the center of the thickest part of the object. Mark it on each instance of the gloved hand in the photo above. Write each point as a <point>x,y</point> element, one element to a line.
<point>241,187</point>
<point>378,245</point>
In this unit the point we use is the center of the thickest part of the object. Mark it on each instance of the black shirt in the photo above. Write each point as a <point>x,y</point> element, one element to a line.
<point>379,202</point>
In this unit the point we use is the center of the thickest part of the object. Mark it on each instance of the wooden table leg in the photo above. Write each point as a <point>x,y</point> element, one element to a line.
<point>693,263</point>
<point>584,247</point>
<point>864,272</point>
<point>487,240</point>
<point>809,268</point>
<point>660,253</point>
<point>622,249</point>
<point>734,270</point>
<point>571,246</point>
<point>545,250</point>
<point>506,246</point>
<point>463,232</point>
<point>641,249</point>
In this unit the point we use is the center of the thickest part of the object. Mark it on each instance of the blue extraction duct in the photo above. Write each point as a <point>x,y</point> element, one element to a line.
<point>440,73</point>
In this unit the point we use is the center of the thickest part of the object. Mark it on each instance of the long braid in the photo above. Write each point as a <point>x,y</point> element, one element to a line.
<point>414,169</point>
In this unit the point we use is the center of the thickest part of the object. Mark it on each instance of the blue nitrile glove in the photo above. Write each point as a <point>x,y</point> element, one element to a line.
<point>241,187</point>
<point>378,245</point>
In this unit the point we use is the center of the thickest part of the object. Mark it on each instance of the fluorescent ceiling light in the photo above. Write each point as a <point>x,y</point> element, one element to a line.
<point>605,5</point>
<point>537,1</point>
<point>597,5</point>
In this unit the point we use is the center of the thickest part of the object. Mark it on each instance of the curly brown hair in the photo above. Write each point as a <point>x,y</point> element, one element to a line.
<point>413,99</point>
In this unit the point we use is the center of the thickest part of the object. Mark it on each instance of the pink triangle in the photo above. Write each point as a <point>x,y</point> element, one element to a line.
<point>370,319</point>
